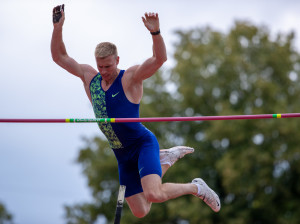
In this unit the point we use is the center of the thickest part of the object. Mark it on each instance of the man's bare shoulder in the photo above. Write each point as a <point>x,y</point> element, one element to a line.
<point>130,71</point>
<point>132,68</point>
<point>88,72</point>
<point>88,68</point>
<point>133,88</point>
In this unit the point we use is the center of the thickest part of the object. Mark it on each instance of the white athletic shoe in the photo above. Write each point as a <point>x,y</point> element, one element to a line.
<point>207,194</point>
<point>170,156</point>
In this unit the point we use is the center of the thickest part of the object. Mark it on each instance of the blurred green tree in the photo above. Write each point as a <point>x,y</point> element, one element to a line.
<point>5,216</point>
<point>252,164</point>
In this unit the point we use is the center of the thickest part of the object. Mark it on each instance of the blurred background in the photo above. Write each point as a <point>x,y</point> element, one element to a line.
<point>224,58</point>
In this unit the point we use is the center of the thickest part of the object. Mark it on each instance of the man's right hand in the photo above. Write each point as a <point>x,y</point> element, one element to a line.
<point>58,15</point>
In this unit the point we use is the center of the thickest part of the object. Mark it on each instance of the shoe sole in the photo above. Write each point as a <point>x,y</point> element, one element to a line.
<point>186,150</point>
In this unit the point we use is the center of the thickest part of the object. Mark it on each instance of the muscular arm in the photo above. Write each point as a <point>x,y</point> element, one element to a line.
<point>152,64</point>
<point>134,76</point>
<point>59,53</point>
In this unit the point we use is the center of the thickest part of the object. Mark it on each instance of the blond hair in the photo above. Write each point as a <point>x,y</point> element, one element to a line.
<point>105,49</point>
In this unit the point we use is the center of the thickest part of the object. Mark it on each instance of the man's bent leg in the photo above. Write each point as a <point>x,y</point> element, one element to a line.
<point>139,205</point>
<point>157,192</point>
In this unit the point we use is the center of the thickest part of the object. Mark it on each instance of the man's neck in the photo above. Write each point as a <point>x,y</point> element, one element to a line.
<point>109,82</point>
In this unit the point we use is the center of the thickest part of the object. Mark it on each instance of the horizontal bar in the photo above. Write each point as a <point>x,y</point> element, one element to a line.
<point>152,119</point>
<point>11,120</point>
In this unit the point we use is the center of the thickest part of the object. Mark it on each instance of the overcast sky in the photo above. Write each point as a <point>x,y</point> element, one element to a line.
<point>38,174</point>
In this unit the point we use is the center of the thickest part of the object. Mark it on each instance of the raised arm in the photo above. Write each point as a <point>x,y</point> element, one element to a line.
<point>58,49</point>
<point>152,64</point>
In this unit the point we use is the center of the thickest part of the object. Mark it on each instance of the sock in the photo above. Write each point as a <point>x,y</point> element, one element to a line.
<point>162,162</point>
<point>199,189</point>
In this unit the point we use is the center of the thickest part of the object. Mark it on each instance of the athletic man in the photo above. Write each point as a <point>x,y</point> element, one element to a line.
<point>117,93</point>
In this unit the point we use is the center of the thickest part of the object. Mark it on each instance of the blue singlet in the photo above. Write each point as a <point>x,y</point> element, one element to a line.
<point>135,147</point>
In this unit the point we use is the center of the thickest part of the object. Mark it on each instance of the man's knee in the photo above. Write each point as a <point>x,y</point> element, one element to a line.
<point>153,188</point>
<point>154,196</point>
<point>141,211</point>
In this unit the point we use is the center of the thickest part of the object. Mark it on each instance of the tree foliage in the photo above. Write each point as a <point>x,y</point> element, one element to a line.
<point>5,216</point>
<point>252,164</point>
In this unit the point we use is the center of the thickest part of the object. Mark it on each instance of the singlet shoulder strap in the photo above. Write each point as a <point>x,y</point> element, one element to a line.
<point>98,76</point>
<point>121,73</point>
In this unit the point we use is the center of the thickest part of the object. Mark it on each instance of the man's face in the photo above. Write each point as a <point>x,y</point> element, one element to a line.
<point>107,66</point>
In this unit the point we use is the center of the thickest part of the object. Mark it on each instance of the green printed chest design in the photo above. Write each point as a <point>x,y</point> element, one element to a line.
<point>99,106</point>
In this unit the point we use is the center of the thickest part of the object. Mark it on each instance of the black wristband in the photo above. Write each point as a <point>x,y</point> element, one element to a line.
<point>155,33</point>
